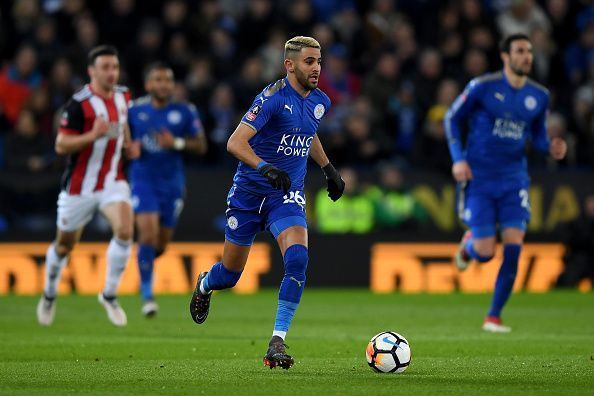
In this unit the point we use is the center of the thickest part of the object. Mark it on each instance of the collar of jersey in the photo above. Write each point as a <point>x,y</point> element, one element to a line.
<point>511,86</point>
<point>295,93</point>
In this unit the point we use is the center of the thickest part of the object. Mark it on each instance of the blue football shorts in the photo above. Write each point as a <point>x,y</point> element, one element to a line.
<point>148,196</point>
<point>483,206</point>
<point>248,214</point>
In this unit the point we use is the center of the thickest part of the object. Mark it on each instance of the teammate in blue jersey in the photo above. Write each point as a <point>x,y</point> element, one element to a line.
<point>272,142</point>
<point>163,129</point>
<point>504,110</point>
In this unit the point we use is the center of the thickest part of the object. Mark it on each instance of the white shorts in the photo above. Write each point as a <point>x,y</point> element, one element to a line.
<point>75,211</point>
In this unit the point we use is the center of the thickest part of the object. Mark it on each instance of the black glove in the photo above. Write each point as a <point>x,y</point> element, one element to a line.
<point>277,178</point>
<point>335,182</point>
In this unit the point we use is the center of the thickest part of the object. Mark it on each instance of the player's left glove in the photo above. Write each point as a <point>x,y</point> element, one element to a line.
<point>335,182</point>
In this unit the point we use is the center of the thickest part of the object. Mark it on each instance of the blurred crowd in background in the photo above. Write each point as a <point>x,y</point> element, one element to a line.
<point>391,68</point>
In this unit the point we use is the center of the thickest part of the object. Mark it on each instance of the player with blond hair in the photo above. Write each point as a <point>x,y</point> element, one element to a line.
<point>272,143</point>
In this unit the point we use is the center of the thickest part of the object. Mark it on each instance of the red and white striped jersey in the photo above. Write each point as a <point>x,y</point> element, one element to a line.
<point>100,163</point>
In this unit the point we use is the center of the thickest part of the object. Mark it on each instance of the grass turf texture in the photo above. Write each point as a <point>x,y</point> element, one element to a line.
<point>550,351</point>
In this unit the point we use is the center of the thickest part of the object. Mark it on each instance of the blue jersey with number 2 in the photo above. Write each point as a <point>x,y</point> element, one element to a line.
<point>500,120</point>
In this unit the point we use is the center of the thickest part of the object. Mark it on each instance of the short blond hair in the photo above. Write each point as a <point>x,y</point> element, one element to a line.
<point>298,42</point>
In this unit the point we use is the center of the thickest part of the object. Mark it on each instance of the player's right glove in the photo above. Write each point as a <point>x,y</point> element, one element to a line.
<point>277,178</point>
<point>335,182</point>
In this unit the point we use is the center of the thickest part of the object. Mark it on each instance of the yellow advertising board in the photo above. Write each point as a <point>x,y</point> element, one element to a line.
<point>403,267</point>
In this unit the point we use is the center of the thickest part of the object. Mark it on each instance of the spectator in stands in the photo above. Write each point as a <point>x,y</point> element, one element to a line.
<point>382,82</point>
<point>17,81</point>
<point>223,52</point>
<point>579,54</point>
<point>475,64</point>
<point>119,22</point>
<point>249,82</point>
<point>213,42</point>
<point>434,146</point>
<point>27,150</point>
<point>222,115</point>
<point>350,31</point>
<point>451,47</point>
<point>200,83</point>
<point>176,21</point>
<point>61,83</point>
<point>381,19</point>
<point>337,81</point>
<point>271,51</point>
<point>28,187</point>
<point>46,44</point>
<point>583,121</point>
<point>353,213</point>
<point>521,16</point>
<point>25,16</point>
<point>395,208</point>
<point>406,118</point>
<point>148,49</point>
<point>179,54</point>
<point>87,37</point>
<point>427,77</point>
<point>39,104</point>
<point>579,248</point>
<point>403,41</point>
<point>483,39</point>
<point>254,26</point>
<point>362,144</point>
<point>563,28</point>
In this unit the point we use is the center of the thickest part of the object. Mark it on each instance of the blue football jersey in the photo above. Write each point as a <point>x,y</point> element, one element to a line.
<point>146,121</point>
<point>501,119</point>
<point>285,123</point>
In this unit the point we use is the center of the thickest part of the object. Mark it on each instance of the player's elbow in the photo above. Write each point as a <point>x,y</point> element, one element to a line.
<point>231,145</point>
<point>59,146</point>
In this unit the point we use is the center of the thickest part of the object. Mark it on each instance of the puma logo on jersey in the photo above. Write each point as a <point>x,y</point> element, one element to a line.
<point>290,108</point>
<point>499,96</point>
<point>298,282</point>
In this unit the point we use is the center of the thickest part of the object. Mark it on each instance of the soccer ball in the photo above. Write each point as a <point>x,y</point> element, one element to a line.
<point>388,352</point>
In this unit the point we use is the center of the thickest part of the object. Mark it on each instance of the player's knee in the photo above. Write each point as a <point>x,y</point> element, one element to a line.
<point>150,240</point>
<point>64,248</point>
<point>484,253</point>
<point>295,259</point>
<point>123,233</point>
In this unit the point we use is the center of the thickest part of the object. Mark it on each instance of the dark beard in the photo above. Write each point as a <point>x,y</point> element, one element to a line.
<point>304,82</point>
<point>519,72</point>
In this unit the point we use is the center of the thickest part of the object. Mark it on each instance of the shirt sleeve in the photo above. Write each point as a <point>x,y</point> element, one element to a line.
<point>456,114</point>
<point>540,137</point>
<point>261,111</point>
<point>72,119</point>
<point>131,119</point>
<point>194,124</point>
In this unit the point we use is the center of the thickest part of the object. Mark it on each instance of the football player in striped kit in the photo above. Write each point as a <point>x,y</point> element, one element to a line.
<point>93,133</point>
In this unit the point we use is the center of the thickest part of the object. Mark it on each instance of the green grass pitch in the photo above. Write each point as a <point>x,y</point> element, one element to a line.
<point>550,351</point>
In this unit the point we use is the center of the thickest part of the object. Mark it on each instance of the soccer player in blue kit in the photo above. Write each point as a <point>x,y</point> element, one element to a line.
<point>504,110</point>
<point>272,142</point>
<point>164,129</point>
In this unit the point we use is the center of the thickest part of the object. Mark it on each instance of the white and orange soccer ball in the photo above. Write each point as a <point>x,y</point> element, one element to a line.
<point>388,352</point>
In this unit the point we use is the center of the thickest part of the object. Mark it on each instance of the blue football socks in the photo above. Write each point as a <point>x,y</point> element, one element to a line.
<point>146,260</point>
<point>219,278</point>
<point>505,278</point>
<point>291,288</point>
